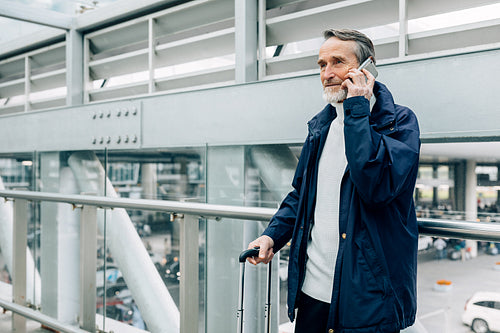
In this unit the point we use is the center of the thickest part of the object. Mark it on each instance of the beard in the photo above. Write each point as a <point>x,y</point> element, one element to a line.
<point>332,96</point>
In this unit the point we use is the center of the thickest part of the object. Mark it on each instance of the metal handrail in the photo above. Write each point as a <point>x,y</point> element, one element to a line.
<point>40,317</point>
<point>200,209</point>
<point>443,228</point>
<point>483,231</point>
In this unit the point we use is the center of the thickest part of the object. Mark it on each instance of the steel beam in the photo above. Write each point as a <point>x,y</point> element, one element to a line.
<point>262,32</point>
<point>246,44</point>
<point>403,28</point>
<point>74,68</point>
<point>27,83</point>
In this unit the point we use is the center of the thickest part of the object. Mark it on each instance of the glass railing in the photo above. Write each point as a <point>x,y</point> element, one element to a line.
<point>444,285</point>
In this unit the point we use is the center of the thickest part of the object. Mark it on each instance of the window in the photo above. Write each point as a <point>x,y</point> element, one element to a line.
<point>487,304</point>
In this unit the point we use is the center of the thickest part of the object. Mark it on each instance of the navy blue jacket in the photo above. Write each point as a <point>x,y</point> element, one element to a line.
<point>374,288</point>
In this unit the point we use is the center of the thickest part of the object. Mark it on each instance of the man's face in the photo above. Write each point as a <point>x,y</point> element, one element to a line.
<point>336,57</point>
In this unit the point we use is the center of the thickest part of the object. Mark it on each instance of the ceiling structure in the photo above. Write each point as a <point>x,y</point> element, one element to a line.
<point>27,17</point>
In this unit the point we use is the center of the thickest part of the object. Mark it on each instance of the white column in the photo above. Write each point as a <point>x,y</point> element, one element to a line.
<point>68,220</point>
<point>403,28</point>
<point>246,44</point>
<point>19,242</point>
<point>49,240</point>
<point>151,55</point>
<point>74,67</point>
<point>262,39</point>
<point>27,83</point>
<point>471,200</point>
<point>149,180</point>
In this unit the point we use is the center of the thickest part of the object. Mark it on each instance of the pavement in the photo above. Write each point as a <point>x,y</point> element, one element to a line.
<point>441,311</point>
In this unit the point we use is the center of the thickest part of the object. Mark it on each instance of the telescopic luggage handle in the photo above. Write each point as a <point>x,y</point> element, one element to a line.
<point>249,253</point>
<point>243,257</point>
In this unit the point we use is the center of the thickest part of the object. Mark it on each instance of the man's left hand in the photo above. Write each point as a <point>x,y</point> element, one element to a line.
<point>359,83</point>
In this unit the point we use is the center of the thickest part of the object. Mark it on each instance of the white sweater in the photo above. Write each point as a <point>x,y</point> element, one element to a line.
<point>322,247</point>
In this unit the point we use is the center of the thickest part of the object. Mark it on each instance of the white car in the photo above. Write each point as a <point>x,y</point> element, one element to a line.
<point>482,312</point>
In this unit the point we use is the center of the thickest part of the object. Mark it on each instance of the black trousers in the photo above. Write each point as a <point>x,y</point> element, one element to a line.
<point>312,315</point>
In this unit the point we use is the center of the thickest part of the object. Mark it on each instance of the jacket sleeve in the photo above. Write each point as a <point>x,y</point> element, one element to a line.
<point>280,229</point>
<point>382,161</point>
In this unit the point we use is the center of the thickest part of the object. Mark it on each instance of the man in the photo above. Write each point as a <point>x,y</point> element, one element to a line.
<point>350,217</point>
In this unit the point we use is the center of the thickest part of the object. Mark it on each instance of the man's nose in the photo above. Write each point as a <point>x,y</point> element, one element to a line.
<point>329,73</point>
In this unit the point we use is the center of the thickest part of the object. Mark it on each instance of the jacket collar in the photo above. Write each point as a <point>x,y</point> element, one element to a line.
<point>383,112</point>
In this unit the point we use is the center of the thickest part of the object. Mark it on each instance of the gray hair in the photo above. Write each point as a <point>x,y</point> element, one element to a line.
<point>365,47</point>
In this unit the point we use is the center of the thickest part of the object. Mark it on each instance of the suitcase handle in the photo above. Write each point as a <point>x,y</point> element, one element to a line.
<point>249,253</point>
<point>243,257</point>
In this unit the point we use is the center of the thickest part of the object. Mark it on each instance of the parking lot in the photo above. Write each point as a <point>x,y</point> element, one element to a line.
<point>440,312</point>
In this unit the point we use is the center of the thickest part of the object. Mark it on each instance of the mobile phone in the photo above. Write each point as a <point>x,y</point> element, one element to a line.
<point>369,66</point>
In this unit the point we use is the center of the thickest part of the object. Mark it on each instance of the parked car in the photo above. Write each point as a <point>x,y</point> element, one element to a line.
<point>482,312</point>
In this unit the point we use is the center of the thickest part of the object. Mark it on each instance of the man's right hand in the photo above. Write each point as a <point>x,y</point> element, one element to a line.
<point>266,253</point>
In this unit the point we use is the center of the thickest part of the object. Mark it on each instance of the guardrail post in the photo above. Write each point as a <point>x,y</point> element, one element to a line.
<point>20,242</point>
<point>88,264</point>
<point>189,268</point>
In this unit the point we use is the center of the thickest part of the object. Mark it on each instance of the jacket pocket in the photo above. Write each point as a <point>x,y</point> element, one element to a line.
<point>364,297</point>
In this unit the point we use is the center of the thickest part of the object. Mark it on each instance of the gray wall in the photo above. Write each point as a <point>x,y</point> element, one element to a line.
<point>454,97</point>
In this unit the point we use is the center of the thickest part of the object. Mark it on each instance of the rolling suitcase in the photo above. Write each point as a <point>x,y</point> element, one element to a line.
<point>243,258</point>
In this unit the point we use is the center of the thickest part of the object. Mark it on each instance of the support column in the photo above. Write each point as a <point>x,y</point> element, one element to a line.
<point>460,186</point>
<point>435,193</point>
<point>262,39</point>
<point>471,200</point>
<point>49,242</point>
<point>151,55</point>
<point>403,28</point>
<point>19,261</point>
<point>88,263</point>
<point>149,181</point>
<point>189,268</point>
<point>74,67</point>
<point>498,191</point>
<point>68,238</point>
<point>27,83</point>
<point>246,40</point>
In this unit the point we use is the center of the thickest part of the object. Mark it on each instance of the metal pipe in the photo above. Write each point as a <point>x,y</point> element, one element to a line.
<point>482,231</point>
<point>199,209</point>
<point>489,232</point>
<point>39,317</point>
